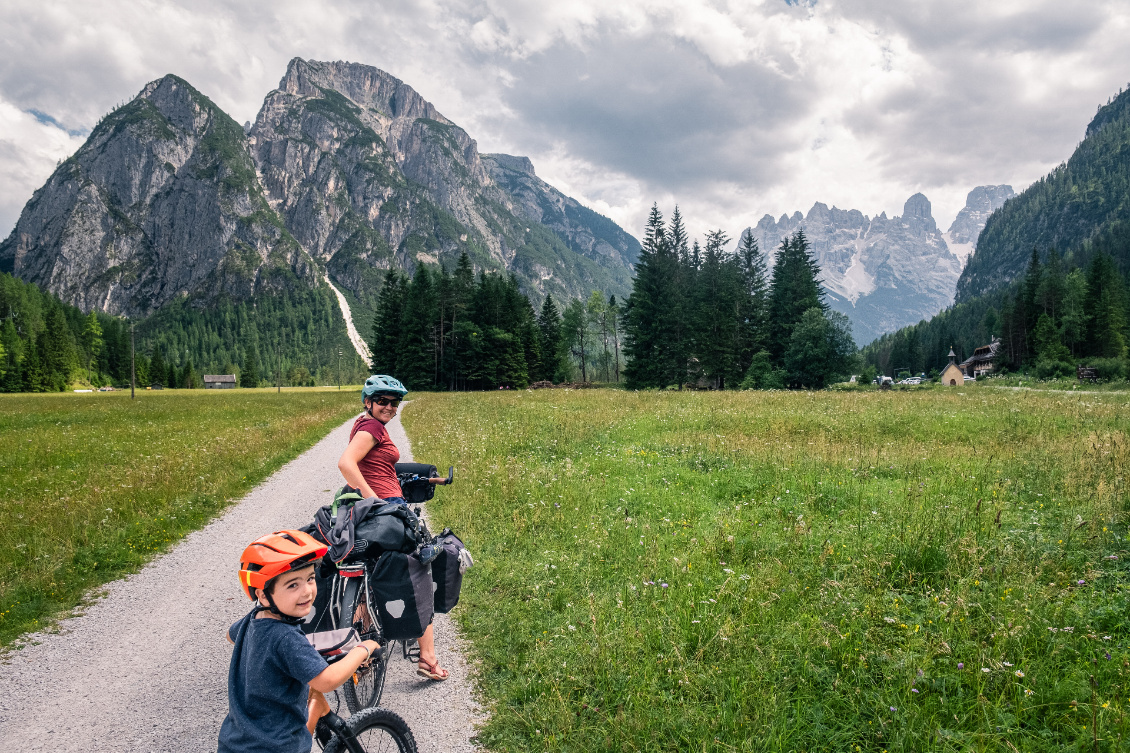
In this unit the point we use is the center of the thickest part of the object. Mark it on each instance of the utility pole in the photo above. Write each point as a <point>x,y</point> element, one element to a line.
<point>278,359</point>
<point>339,369</point>
<point>132,369</point>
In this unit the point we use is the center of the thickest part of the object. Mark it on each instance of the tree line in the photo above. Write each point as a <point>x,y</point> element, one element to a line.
<point>1054,317</point>
<point>291,334</point>
<point>441,330</point>
<point>699,315</point>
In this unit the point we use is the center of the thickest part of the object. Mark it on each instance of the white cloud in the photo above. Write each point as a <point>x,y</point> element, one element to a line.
<point>732,108</point>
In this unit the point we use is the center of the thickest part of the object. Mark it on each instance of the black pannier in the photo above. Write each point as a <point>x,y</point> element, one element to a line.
<point>447,574</point>
<point>402,595</point>
<point>388,528</point>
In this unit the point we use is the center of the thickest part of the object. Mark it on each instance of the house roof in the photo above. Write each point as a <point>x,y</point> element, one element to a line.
<point>984,354</point>
<point>219,377</point>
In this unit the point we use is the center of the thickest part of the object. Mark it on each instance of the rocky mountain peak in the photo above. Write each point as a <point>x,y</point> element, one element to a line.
<point>917,215</point>
<point>510,162</point>
<point>365,85</point>
<point>981,202</point>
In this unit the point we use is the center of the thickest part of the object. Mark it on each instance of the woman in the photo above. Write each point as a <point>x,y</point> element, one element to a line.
<point>369,465</point>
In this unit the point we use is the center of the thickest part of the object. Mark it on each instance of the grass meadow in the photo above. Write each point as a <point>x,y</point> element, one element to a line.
<point>941,570</point>
<point>94,485</point>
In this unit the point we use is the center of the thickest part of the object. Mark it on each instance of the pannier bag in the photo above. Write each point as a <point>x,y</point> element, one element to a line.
<point>447,571</point>
<point>389,528</point>
<point>334,643</point>
<point>402,595</point>
<point>363,529</point>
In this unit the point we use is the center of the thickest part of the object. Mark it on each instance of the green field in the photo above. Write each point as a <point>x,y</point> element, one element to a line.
<point>93,485</point>
<point>902,571</point>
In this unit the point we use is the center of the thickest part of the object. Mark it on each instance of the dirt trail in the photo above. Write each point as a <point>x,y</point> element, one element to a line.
<point>145,668</point>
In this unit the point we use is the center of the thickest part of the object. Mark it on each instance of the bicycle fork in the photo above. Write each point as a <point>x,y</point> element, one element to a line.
<point>331,725</point>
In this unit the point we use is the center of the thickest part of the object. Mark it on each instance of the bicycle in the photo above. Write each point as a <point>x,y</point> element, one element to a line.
<point>350,603</point>
<point>372,730</point>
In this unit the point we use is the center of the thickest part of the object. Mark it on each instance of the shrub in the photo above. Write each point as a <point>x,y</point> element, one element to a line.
<point>1048,369</point>
<point>1108,368</point>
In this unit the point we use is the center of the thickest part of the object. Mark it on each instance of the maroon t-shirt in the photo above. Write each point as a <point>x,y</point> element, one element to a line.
<point>378,468</point>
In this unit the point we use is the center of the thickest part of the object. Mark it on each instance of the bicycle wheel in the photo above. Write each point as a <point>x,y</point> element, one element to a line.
<point>378,731</point>
<point>365,687</point>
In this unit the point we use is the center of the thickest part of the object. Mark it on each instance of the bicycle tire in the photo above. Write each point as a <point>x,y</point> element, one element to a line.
<point>364,689</point>
<point>378,731</point>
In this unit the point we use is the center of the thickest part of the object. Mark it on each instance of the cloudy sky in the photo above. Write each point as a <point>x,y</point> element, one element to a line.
<point>730,108</point>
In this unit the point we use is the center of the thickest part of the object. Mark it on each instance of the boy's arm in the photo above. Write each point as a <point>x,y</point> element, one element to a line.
<point>333,676</point>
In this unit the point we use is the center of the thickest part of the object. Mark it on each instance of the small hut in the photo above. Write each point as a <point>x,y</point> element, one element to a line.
<point>953,376</point>
<point>219,381</point>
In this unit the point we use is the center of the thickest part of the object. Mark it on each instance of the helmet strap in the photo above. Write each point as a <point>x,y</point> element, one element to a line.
<point>288,619</point>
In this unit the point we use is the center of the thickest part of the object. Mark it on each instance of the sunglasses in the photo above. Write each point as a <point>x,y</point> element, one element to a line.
<point>383,401</point>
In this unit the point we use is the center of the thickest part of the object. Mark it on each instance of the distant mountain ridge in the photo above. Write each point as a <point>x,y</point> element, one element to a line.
<point>346,171</point>
<point>883,273</point>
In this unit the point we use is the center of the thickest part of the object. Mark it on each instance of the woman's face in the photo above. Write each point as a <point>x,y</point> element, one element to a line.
<point>383,413</point>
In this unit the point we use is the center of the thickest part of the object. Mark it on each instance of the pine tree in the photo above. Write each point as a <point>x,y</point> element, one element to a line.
<point>715,313</point>
<point>59,357</point>
<point>651,319</point>
<point>417,348</point>
<point>385,341</point>
<point>249,375</point>
<point>1052,288</point>
<point>795,290</point>
<point>549,333</point>
<point>92,341</point>
<point>754,312</point>
<point>1107,293</point>
<point>575,333</point>
<point>157,372</point>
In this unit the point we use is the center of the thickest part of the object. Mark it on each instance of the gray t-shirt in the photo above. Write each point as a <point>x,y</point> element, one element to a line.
<point>271,664</point>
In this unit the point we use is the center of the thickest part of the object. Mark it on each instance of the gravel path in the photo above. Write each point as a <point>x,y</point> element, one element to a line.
<point>145,668</point>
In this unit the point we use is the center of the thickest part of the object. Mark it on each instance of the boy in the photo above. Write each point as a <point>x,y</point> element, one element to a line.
<point>276,677</point>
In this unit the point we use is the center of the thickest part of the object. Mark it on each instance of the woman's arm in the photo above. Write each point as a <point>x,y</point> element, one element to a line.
<point>335,675</point>
<point>358,448</point>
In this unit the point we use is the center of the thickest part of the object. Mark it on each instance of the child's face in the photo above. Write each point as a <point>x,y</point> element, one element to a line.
<point>294,592</point>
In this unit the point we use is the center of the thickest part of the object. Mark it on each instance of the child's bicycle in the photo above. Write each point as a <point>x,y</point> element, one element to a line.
<point>351,605</point>
<point>371,730</point>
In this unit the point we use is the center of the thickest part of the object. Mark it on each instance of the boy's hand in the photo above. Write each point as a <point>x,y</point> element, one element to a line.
<point>373,647</point>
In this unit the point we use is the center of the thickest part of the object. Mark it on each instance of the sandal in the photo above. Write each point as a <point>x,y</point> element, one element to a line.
<point>433,670</point>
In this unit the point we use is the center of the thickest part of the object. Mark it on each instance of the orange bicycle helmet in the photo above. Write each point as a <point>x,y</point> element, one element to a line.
<point>272,555</point>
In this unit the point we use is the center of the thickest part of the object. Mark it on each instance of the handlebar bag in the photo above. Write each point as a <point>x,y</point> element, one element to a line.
<point>447,575</point>
<point>402,595</point>
<point>334,644</point>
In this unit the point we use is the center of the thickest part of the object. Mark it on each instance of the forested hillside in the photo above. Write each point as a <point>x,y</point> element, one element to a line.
<point>1054,317</point>
<point>45,344</point>
<point>1081,208</point>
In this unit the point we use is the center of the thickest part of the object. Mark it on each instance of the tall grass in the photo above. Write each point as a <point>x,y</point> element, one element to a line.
<point>941,570</point>
<point>92,486</point>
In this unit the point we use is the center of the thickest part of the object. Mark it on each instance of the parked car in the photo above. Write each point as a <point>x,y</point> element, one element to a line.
<point>969,378</point>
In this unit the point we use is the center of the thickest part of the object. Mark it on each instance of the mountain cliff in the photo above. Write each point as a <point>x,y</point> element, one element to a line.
<point>881,272</point>
<point>981,202</point>
<point>1082,204</point>
<point>162,202</point>
<point>346,171</point>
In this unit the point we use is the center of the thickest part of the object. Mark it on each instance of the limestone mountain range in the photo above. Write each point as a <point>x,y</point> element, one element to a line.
<point>346,171</point>
<point>886,272</point>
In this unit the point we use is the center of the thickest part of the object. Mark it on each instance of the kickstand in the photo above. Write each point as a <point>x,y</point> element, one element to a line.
<point>412,650</point>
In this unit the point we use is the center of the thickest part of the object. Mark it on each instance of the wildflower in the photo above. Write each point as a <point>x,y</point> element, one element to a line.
<point>1007,664</point>
<point>986,670</point>
<point>961,665</point>
<point>1082,582</point>
<point>1107,655</point>
<point>727,570</point>
<point>1018,673</point>
<point>893,708</point>
<point>891,620</point>
<point>1029,691</point>
<point>914,690</point>
<point>1106,637</point>
<point>573,627</point>
<point>663,585</point>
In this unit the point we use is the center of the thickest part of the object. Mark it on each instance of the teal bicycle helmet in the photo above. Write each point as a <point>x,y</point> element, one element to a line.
<point>382,384</point>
